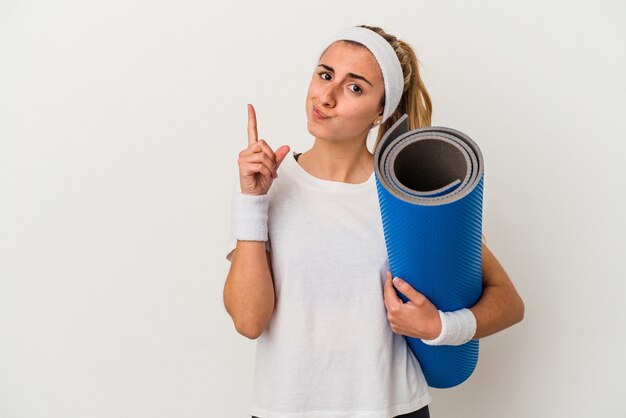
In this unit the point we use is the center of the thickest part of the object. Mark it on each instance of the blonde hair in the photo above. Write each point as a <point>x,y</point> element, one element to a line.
<point>415,101</point>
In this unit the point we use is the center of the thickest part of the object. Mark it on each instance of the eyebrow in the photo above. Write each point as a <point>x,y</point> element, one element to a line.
<point>352,75</point>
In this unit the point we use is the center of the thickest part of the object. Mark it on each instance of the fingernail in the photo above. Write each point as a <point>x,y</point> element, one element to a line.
<point>397,280</point>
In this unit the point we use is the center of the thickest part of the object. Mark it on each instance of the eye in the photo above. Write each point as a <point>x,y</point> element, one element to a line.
<point>323,74</point>
<point>356,88</point>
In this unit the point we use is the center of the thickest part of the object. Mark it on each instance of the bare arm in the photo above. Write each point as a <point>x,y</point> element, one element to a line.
<point>500,306</point>
<point>249,288</point>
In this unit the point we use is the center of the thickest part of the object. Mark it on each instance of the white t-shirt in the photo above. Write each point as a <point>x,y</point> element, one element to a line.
<point>328,349</point>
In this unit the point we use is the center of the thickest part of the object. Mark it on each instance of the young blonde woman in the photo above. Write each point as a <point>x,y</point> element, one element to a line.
<point>309,274</point>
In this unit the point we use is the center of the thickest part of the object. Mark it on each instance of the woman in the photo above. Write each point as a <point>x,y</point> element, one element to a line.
<point>319,295</point>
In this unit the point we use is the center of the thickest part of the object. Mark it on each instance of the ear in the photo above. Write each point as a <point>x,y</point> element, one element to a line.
<point>378,120</point>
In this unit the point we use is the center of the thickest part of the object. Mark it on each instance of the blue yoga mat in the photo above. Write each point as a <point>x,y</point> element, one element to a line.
<point>430,189</point>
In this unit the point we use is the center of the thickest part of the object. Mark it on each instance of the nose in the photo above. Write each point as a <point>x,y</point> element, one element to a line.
<point>327,98</point>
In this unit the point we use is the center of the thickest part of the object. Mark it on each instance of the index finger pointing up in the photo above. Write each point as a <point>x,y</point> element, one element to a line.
<point>253,136</point>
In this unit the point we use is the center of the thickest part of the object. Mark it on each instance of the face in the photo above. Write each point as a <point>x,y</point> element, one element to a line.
<point>345,94</point>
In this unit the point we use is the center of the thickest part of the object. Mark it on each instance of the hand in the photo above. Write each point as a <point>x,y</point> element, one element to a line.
<point>418,318</point>
<point>258,165</point>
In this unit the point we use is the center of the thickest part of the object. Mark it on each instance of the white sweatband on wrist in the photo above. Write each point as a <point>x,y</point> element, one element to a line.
<point>250,217</point>
<point>457,328</point>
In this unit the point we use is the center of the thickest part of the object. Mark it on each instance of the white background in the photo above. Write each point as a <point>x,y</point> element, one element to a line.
<point>120,125</point>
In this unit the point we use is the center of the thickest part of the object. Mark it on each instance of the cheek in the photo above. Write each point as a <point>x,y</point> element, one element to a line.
<point>363,113</point>
<point>314,90</point>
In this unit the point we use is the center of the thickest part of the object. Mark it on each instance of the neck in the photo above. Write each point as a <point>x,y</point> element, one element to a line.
<point>338,161</point>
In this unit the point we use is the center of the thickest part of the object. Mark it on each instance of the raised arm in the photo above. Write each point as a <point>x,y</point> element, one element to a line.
<point>249,289</point>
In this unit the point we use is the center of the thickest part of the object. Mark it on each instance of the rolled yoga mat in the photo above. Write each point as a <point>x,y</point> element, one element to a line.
<point>430,191</point>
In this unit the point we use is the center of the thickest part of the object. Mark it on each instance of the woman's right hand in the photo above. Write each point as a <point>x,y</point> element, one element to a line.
<point>258,164</point>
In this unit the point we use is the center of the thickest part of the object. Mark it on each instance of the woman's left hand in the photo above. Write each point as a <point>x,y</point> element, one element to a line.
<point>418,318</point>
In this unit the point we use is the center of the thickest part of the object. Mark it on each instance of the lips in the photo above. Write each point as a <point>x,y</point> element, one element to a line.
<point>317,114</point>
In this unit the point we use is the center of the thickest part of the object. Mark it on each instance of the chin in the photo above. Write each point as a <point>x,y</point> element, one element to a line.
<point>312,130</point>
<point>316,130</point>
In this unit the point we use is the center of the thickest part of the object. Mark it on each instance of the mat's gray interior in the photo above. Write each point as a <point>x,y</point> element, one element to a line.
<point>429,165</point>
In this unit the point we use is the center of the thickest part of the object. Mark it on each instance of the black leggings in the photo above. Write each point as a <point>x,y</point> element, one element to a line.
<point>420,413</point>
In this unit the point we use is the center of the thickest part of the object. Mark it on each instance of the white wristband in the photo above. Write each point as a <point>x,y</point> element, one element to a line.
<point>250,217</point>
<point>457,328</point>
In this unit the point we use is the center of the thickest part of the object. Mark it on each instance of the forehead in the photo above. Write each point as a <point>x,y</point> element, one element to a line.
<point>345,57</point>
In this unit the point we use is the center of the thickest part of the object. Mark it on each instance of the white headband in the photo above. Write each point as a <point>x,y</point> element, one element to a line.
<point>387,60</point>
